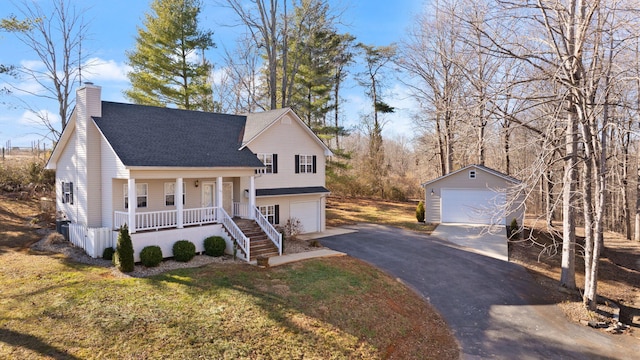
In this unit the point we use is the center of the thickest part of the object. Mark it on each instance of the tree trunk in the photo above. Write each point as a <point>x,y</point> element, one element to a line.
<point>568,274</point>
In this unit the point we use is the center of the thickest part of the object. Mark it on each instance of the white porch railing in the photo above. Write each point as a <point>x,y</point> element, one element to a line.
<point>200,216</point>
<point>156,220</point>
<point>265,225</point>
<point>243,242</point>
<point>241,210</point>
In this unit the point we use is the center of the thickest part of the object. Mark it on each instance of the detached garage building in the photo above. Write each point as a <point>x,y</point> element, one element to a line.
<point>474,194</point>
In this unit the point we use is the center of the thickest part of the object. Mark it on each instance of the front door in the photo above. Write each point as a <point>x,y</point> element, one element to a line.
<point>209,196</point>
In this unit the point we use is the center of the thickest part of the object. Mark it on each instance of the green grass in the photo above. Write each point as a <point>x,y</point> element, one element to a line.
<point>319,309</point>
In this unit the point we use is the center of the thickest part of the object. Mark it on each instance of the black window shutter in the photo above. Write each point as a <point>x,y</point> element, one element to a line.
<point>62,192</point>
<point>297,164</point>
<point>314,164</point>
<point>274,157</point>
<point>276,215</point>
<point>71,193</point>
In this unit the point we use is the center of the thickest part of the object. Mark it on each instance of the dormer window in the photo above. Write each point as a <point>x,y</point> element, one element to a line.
<point>472,174</point>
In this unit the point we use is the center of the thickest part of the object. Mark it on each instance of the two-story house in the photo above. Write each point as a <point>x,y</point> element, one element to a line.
<point>172,174</point>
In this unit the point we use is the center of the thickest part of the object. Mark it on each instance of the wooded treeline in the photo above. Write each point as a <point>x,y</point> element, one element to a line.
<point>545,91</point>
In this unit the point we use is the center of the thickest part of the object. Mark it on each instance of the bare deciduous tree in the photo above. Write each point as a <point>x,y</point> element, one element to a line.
<point>55,36</point>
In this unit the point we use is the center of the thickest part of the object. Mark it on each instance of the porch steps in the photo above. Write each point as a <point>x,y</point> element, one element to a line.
<point>261,245</point>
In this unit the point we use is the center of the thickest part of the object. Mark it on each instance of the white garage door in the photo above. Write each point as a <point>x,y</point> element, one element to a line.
<point>308,214</point>
<point>472,206</point>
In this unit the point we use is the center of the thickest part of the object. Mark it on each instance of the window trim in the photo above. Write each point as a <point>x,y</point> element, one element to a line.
<point>305,164</point>
<point>472,174</point>
<point>270,167</point>
<point>173,193</point>
<point>67,193</point>
<point>138,196</point>
<point>275,215</point>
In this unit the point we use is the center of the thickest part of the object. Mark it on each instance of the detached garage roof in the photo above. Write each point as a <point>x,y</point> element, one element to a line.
<point>477,167</point>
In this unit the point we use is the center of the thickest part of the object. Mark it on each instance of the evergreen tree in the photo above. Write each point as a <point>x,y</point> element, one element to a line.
<point>168,59</point>
<point>123,257</point>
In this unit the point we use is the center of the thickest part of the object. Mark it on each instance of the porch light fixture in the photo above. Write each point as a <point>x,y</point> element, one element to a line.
<point>432,192</point>
<point>197,183</point>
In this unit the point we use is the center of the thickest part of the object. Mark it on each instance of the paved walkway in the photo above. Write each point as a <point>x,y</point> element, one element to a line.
<point>289,258</point>
<point>495,308</point>
<point>482,239</point>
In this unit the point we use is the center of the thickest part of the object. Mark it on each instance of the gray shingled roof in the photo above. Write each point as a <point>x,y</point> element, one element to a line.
<point>154,136</point>
<point>292,191</point>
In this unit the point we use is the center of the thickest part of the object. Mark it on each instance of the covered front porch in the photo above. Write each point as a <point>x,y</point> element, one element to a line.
<point>208,203</point>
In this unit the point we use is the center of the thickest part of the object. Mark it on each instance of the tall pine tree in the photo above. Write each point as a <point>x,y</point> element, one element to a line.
<point>168,60</point>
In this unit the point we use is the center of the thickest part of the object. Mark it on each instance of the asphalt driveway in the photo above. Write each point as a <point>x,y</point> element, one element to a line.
<point>483,239</point>
<point>495,308</point>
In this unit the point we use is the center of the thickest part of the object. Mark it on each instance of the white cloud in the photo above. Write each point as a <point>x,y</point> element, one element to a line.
<point>101,71</point>
<point>34,65</point>
<point>30,118</point>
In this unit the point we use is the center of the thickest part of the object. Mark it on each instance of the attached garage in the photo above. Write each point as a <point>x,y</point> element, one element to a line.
<point>306,204</point>
<point>308,214</point>
<point>472,206</point>
<point>474,194</point>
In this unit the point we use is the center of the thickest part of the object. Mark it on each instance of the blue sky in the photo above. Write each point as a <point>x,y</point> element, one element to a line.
<point>112,31</point>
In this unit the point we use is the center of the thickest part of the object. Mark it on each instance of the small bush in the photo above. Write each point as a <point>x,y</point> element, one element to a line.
<point>293,227</point>
<point>420,211</point>
<point>107,254</point>
<point>54,238</point>
<point>123,257</point>
<point>151,256</point>
<point>184,250</point>
<point>514,230</point>
<point>214,246</point>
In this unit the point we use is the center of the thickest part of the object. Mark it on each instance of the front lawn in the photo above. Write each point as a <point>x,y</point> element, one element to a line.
<point>321,309</point>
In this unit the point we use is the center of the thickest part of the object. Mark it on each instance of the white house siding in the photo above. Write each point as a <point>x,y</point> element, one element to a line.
<point>155,199</point>
<point>303,206</point>
<point>88,188</point>
<point>432,207</point>
<point>112,168</point>
<point>94,176</point>
<point>287,139</point>
<point>66,172</point>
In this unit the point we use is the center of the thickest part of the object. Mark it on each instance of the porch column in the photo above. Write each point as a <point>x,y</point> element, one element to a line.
<point>177,199</point>
<point>133,203</point>
<point>219,193</point>
<point>252,196</point>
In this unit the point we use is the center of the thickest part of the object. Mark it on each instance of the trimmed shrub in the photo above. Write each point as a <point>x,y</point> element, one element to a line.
<point>184,250</point>
<point>420,211</point>
<point>123,257</point>
<point>151,256</point>
<point>107,254</point>
<point>214,246</point>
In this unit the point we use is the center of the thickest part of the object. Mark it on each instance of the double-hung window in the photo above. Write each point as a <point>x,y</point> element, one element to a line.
<point>271,213</point>
<point>142,191</point>
<point>67,193</point>
<point>170,194</point>
<point>305,164</point>
<point>270,162</point>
